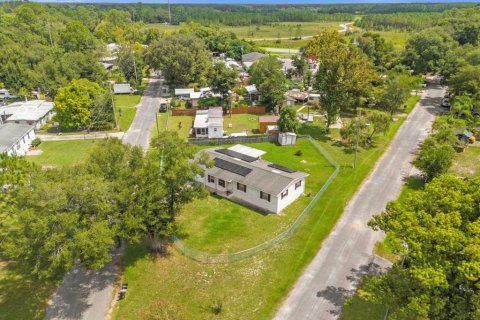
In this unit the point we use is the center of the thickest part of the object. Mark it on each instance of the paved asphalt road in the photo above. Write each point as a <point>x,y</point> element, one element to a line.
<point>84,294</point>
<point>347,253</point>
<point>139,131</point>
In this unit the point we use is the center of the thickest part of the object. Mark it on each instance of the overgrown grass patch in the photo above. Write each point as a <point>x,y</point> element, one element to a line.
<point>467,163</point>
<point>219,225</point>
<point>62,153</point>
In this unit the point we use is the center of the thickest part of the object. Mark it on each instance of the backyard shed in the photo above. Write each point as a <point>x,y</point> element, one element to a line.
<point>265,121</point>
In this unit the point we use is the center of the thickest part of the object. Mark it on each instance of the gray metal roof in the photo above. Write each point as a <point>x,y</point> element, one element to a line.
<point>11,133</point>
<point>32,110</point>
<point>262,177</point>
<point>122,88</point>
<point>253,56</point>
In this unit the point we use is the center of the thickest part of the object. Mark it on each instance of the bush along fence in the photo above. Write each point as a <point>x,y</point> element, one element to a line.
<point>205,257</point>
<point>231,140</point>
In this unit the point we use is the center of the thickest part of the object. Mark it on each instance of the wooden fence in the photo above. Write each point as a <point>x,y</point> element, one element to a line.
<point>232,140</point>
<point>236,110</point>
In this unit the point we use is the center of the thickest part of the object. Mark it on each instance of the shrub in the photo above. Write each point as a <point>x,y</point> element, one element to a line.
<point>298,153</point>
<point>217,307</point>
<point>36,142</point>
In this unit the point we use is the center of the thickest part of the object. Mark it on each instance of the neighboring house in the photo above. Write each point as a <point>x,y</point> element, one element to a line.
<point>209,123</point>
<point>112,47</point>
<point>15,139</point>
<point>123,88</point>
<point>253,93</point>
<point>265,121</point>
<point>232,64</point>
<point>252,57</point>
<point>297,95</point>
<point>240,175</point>
<point>33,112</point>
<point>193,97</point>
<point>184,93</point>
<point>287,64</point>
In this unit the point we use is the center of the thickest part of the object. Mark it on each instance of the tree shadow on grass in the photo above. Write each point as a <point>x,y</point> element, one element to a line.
<point>337,295</point>
<point>21,296</point>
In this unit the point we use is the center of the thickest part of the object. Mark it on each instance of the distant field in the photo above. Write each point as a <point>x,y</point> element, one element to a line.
<point>281,29</point>
<point>398,38</point>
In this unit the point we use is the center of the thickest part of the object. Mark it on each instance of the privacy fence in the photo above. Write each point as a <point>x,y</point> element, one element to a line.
<point>232,140</point>
<point>205,257</point>
<point>235,110</point>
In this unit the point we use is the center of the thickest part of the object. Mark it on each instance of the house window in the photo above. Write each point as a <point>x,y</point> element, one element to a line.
<point>241,187</point>
<point>265,196</point>
<point>215,129</point>
<point>298,184</point>
<point>284,193</point>
<point>221,183</point>
<point>211,179</point>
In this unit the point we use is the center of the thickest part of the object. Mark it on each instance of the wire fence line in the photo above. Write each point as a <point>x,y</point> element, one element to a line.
<point>205,257</point>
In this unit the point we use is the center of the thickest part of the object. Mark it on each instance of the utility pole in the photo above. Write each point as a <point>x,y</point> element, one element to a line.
<point>115,122</point>
<point>135,65</point>
<point>356,137</point>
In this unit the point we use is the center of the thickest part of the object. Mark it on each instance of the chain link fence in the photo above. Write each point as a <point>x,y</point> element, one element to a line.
<point>205,257</point>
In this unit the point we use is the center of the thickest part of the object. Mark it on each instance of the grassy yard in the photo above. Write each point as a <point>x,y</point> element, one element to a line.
<point>125,106</point>
<point>467,163</point>
<point>20,297</point>
<point>179,287</point>
<point>219,225</point>
<point>241,123</point>
<point>397,38</point>
<point>61,153</point>
<point>181,125</point>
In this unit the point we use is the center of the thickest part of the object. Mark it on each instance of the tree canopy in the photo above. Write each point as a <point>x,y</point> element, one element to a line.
<point>268,76</point>
<point>345,74</point>
<point>436,232</point>
<point>183,59</point>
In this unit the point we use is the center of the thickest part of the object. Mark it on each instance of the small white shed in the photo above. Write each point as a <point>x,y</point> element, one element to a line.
<point>287,138</point>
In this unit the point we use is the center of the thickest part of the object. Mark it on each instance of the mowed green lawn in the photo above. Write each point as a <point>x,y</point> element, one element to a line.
<point>20,297</point>
<point>241,123</point>
<point>125,106</point>
<point>218,225</point>
<point>62,153</point>
<point>177,287</point>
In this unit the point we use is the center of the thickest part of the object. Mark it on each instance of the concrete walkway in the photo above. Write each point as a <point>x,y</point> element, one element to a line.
<point>347,254</point>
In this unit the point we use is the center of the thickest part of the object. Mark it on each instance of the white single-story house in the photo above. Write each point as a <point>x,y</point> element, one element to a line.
<point>192,96</point>
<point>33,112</point>
<point>240,175</point>
<point>209,123</point>
<point>15,139</point>
<point>123,88</point>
